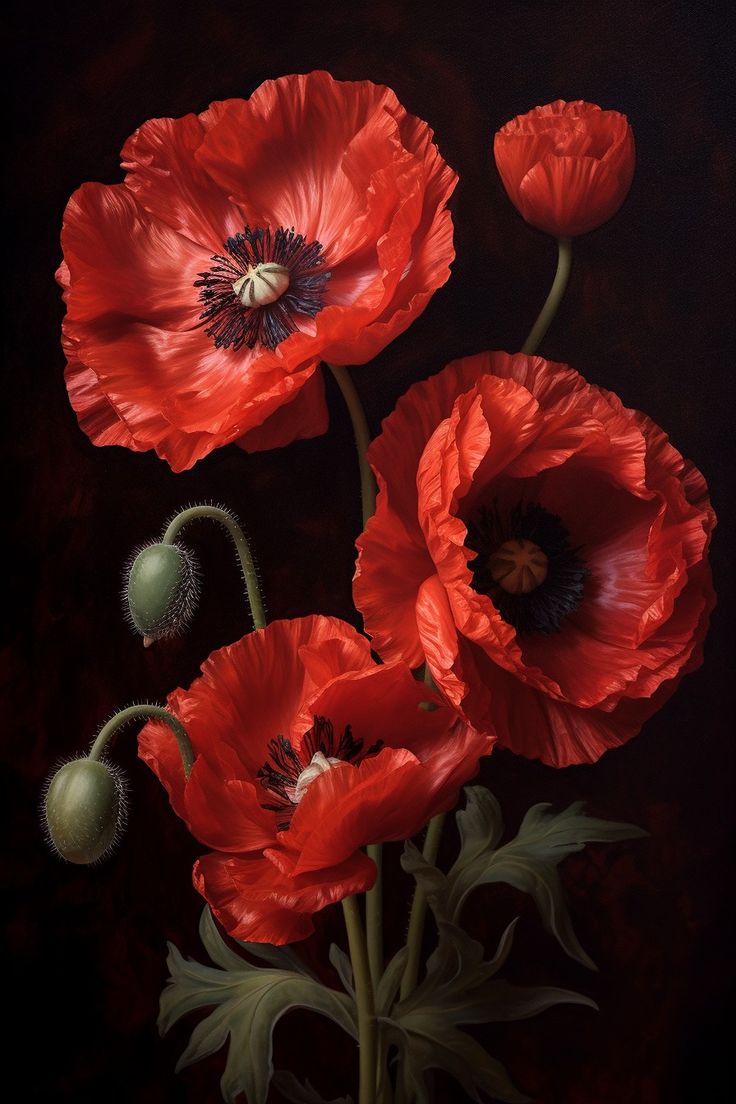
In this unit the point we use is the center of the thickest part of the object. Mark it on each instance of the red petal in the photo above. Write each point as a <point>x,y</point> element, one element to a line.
<point>224,810</point>
<point>279,153</point>
<point>379,589</point>
<point>304,416</point>
<point>348,807</point>
<point>168,180</point>
<point>255,901</point>
<point>381,703</point>
<point>125,264</point>
<point>97,416</point>
<point>567,196</point>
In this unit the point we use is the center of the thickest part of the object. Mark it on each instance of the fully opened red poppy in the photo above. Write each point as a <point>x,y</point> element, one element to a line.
<point>306,750</point>
<point>245,245</point>
<point>544,547</point>
<point>567,167</point>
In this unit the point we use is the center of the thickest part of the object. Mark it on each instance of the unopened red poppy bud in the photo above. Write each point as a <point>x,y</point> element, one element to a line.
<point>161,590</point>
<point>567,167</point>
<point>84,810</point>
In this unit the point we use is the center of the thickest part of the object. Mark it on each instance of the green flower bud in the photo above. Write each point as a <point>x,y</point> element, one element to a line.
<point>161,590</point>
<point>84,809</point>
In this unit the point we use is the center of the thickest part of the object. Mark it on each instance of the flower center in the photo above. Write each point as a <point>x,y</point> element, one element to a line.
<point>518,566</point>
<point>259,291</point>
<point>288,773</point>
<point>526,566</point>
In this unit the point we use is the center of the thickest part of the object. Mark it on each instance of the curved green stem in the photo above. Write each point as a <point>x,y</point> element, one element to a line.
<point>367,1033</point>
<point>213,513</point>
<point>418,909</point>
<point>362,437</point>
<point>139,712</point>
<point>552,302</point>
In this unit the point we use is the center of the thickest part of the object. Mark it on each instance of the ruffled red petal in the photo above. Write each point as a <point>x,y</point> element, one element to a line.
<point>254,901</point>
<point>168,180</point>
<point>97,416</point>
<point>304,416</point>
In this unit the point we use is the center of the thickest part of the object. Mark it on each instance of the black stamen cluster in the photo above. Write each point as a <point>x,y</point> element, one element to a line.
<point>233,325</point>
<point>281,774</point>
<point>544,608</point>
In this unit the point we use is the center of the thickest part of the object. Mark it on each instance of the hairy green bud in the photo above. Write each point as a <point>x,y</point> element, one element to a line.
<point>161,590</point>
<point>84,809</point>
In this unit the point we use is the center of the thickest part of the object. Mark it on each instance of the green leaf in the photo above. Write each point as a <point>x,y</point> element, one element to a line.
<point>292,1089</point>
<point>460,987</point>
<point>528,862</point>
<point>343,967</point>
<point>246,1001</point>
<point>432,882</point>
<point>388,986</point>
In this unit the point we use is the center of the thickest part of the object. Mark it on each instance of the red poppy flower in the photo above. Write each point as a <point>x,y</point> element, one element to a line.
<point>544,547</point>
<point>245,245</point>
<point>306,750</point>
<point>567,167</point>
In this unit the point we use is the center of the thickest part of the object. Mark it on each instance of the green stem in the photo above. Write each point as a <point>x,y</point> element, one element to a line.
<point>138,712</point>
<point>362,437</point>
<point>552,302</point>
<point>367,1034</point>
<point>213,513</point>
<point>374,916</point>
<point>374,896</point>
<point>418,909</point>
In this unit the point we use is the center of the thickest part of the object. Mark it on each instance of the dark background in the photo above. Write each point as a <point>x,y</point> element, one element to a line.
<point>647,314</point>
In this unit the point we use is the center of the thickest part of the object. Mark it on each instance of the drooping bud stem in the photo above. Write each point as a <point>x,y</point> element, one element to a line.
<point>83,804</point>
<point>214,513</point>
<point>151,712</point>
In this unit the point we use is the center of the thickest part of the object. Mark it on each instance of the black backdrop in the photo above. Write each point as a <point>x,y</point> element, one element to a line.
<point>647,314</point>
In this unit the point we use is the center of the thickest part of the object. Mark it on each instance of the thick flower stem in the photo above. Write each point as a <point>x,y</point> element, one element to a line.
<point>152,712</point>
<point>362,437</point>
<point>250,575</point>
<point>374,897</point>
<point>418,909</point>
<point>552,302</point>
<point>367,1026</point>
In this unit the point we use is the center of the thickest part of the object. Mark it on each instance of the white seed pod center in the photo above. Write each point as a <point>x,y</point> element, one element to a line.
<point>320,764</point>
<point>261,285</point>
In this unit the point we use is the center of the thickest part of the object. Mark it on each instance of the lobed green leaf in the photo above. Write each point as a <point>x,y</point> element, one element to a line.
<point>246,1003</point>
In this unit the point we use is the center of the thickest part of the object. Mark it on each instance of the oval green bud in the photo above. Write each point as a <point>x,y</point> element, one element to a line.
<point>162,588</point>
<point>84,809</point>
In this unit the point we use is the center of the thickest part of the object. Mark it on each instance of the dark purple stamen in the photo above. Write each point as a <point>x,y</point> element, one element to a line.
<point>281,774</point>
<point>545,607</point>
<point>232,324</point>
